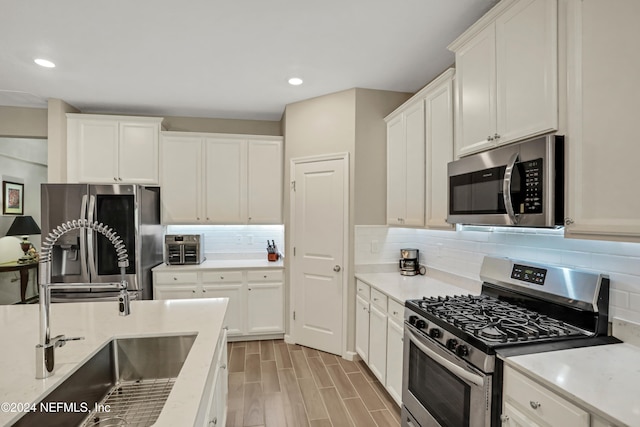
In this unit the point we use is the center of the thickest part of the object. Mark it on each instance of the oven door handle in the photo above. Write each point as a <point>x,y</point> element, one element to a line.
<point>460,372</point>
<point>506,188</point>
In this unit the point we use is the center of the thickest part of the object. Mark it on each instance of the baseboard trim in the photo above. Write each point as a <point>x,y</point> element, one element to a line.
<point>351,356</point>
<point>255,337</point>
<point>288,339</point>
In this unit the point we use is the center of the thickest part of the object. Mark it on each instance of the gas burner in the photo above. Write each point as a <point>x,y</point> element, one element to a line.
<point>493,320</point>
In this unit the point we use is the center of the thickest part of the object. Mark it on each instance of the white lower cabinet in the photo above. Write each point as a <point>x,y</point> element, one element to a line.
<point>528,403</point>
<point>379,335</point>
<point>395,346</point>
<point>256,304</point>
<point>213,406</point>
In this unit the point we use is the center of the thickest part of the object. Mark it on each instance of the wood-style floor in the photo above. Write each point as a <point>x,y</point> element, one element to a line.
<point>274,384</point>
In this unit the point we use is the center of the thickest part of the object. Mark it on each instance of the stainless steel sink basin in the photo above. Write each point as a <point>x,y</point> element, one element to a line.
<point>128,378</point>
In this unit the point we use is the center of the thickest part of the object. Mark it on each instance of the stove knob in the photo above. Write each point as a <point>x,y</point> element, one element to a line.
<point>462,350</point>
<point>452,344</point>
<point>412,320</point>
<point>435,333</point>
<point>421,324</point>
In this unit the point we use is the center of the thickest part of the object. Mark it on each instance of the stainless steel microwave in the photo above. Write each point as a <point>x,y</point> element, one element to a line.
<point>517,185</point>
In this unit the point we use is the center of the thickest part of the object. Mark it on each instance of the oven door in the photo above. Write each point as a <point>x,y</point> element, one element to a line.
<point>440,389</point>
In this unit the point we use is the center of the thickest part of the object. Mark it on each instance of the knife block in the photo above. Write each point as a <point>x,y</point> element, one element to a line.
<point>272,257</point>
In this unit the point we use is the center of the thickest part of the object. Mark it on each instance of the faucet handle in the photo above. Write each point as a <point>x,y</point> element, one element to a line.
<point>61,340</point>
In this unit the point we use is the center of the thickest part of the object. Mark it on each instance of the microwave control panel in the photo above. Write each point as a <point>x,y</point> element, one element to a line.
<point>532,171</point>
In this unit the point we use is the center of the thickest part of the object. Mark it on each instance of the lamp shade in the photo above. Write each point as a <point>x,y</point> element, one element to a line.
<point>23,226</point>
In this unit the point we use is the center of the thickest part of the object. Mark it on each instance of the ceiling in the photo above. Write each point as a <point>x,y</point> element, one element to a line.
<point>221,58</point>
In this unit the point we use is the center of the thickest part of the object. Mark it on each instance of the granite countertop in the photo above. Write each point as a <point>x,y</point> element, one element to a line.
<point>402,288</point>
<point>220,264</point>
<point>98,323</point>
<point>605,380</point>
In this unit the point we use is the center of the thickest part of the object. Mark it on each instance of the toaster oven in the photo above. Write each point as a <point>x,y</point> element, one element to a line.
<point>181,249</point>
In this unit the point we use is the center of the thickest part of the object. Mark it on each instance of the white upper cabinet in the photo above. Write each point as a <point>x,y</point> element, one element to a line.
<point>233,179</point>
<point>405,166</point>
<point>507,75</point>
<point>602,134</point>
<point>419,146</point>
<point>264,182</point>
<point>439,149</point>
<point>112,149</point>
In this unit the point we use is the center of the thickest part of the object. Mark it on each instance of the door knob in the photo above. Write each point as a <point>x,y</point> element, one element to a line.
<point>337,268</point>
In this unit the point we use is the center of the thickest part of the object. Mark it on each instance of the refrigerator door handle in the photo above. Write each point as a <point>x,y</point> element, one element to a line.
<point>90,247</point>
<point>83,238</point>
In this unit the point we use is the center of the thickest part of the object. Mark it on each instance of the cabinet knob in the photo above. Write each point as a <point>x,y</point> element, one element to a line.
<point>208,219</point>
<point>193,291</point>
<point>175,278</point>
<point>204,290</point>
<point>534,405</point>
<point>249,288</point>
<point>249,218</point>
<point>221,277</point>
<point>223,366</point>
<point>489,138</point>
<point>265,276</point>
<point>119,179</point>
<point>198,218</point>
<point>496,136</point>
<point>504,418</point>
<point>395,313</point>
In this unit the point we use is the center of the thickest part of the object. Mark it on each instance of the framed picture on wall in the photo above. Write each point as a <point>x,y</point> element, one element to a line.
<point>12,198</point>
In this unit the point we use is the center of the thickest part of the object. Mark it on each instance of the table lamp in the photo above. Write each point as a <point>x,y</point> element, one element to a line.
<point>24,226</point>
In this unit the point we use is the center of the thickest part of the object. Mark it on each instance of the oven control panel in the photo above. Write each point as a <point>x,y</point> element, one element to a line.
<point>528,274</point>
<point>532,170</point>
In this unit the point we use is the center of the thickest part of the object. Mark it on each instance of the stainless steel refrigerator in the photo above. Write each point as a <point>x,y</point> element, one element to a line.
<point>86,256</point>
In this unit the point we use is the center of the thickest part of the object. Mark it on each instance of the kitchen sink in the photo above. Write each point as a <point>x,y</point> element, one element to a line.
<point>127,382</point>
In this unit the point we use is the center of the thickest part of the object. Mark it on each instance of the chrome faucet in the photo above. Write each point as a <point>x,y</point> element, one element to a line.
<point>45,362</point>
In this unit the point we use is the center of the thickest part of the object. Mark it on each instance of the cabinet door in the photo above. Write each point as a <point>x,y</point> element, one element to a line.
<point>378,343</point>
<point>395,346</point>
<point>95,151</point>
<point>396,174</point>
<point>414,168</point>
<point>527,70</point>
<point>362,328</point>
<point>138,153</point>
<point>225,181</point>
<point>511,417</point>
<point>181,183</point>
<point>264,308</point>
<point>236,309</point>
<point>264,189</point>
<point>602,150</point>
<point>439,152</point>
<point>182,291</point>
<point>476,93</point>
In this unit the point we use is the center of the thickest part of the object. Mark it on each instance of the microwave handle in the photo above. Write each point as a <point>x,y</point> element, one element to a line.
<point>506,188</point>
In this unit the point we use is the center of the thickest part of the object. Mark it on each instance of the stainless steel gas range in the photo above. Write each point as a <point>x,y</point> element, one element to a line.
<point>452,376</point>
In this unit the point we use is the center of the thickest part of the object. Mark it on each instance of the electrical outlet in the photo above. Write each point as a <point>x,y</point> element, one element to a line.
<point>375,248</point>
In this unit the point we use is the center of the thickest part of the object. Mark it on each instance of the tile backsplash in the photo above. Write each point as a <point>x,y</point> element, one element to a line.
<point>461,252</point>
<point>222,241</point>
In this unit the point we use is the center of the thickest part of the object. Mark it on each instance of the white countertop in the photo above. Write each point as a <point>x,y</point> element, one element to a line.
<point>99,322</point>
<point>604,380</point>
<point>219,264</point>
<point>402,288</point>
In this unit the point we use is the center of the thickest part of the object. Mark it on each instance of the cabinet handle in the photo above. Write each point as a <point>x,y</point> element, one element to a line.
<point>119,179</point>
<point>115,179</point>
<point>568,221</point>
<point>504,418</point>
<point>223,366</point>
<point>213,422</point>
<point>496,136</point>
<point>535,405</point>
<point>489,138</point>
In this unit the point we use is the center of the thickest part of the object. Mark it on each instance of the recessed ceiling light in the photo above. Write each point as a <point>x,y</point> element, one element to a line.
<point>295,81</point>
<point>44,63</point>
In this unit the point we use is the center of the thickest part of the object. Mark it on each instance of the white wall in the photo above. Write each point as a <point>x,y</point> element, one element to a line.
<point>25,161</point>
<point>461,252</point>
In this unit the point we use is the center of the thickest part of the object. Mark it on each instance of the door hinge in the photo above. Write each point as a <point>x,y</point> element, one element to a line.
<point>293,185</point>
<point>294,315</point>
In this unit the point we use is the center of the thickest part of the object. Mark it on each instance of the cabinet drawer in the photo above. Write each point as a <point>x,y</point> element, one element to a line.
<point>265,276</point>
<point>396,310</point>
<point>177,277</point>
<point>379,299</point>
<point>363,290</point>
<point>537,401</point>
<point>221,276</point>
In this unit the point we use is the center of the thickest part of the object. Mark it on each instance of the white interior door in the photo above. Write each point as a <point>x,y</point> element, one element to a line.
<point>318,236</point>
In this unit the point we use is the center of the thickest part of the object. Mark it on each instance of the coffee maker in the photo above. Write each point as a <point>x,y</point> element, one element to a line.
<point>409,262</point>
